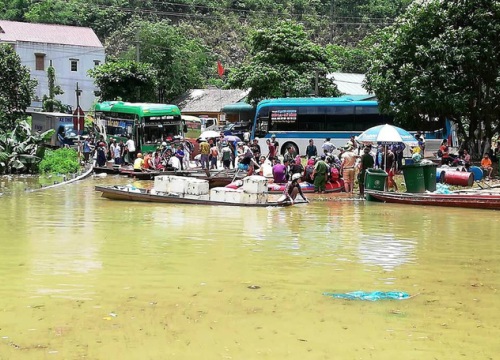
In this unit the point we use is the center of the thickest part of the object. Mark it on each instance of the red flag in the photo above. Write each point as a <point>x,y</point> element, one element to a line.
<point>220,68</point>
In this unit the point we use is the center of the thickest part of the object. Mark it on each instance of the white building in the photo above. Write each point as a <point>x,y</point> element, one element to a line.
<point>71,50</point>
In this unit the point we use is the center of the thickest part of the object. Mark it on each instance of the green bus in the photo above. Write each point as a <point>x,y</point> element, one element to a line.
<point>148,124</point>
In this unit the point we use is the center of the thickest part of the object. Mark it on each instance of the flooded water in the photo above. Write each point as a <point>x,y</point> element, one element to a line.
<point>88,278</point>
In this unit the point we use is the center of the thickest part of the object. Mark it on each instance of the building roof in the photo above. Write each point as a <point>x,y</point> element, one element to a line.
<point>209,100</point>
<point>12,31</point>
<point>349,84</point>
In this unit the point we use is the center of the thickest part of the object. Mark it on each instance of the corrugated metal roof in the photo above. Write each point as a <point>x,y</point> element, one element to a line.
<point>12,31</point>
<point>209,100</point>
<point>349,84</point>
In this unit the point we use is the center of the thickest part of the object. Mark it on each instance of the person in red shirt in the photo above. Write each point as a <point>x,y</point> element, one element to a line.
<point>487,165</point>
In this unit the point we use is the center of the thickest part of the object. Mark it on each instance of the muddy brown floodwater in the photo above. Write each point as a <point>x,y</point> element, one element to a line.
<point>83,277</point>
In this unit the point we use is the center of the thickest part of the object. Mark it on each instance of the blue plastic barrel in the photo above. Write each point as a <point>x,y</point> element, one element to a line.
<point>477,172</point>
<point>440,174</point>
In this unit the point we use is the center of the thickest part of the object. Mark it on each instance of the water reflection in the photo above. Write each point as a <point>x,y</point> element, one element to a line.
<point>386,251</point>
<point>178,277</point>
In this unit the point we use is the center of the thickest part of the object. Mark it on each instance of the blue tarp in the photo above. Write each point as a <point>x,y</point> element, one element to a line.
<point>370,296</point>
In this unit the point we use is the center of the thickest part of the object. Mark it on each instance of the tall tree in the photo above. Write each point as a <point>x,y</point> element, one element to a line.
<point>49,102</point>
<point>16,87</point>
<point>283,62</point>
<point>125,80</point>
<point>441,59</point>
<point>180,62</point>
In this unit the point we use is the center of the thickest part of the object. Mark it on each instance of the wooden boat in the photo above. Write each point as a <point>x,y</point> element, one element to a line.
<point>308,188</point>
<point>214,180</point>
<point>475,200</point>
<point>145,195</point>
<point>106,170</point>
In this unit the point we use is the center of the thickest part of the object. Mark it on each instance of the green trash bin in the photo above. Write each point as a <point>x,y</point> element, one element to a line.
<point>375,179</point>
<point>414,178</point>
<point>430,176</point>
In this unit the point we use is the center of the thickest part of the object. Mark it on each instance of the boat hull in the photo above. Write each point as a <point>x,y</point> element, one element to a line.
<point>471,200</point>
<point>120,193</point>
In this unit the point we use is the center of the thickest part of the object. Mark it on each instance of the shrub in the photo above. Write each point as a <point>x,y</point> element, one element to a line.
<point>60,161</point>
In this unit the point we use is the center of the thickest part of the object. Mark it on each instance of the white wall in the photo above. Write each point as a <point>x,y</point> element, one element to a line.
<point>65,78</point>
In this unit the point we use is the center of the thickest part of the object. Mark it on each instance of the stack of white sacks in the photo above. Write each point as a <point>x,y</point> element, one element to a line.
<point>185,187</point>
<point>253,191</point>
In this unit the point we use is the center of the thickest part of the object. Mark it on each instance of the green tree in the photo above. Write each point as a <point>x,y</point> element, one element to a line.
<point>16,87</point>
<point>181,63</point>
<point>49,102</point>
<point>125,80</point>
<point>440,60</point>
<point>283,62</point>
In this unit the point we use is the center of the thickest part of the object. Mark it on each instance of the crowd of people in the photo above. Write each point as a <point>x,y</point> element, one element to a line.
<point>316,166</point>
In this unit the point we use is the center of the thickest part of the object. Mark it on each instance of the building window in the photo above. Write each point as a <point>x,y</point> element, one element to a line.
<point>40,62</point>
<point>97,63</point>
<point>74,64</point>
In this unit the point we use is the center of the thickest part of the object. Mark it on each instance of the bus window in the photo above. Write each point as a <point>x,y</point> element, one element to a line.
<point>339,118</point>
<point>262,127</point>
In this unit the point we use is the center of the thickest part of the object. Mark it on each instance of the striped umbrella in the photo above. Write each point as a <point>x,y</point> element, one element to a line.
<point>386,135</point>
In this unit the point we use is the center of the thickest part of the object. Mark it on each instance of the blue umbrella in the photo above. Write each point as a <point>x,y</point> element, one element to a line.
<point>387,135</point>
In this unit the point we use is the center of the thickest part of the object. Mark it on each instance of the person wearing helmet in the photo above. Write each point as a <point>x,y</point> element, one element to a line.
<point>293,189</point>
<point>138,163</point>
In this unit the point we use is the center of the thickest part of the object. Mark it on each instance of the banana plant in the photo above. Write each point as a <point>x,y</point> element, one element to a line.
<point>21,150</point>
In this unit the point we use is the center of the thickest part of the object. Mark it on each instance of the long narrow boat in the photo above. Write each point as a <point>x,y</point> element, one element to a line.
<point>145,195</point>
<point>308,188</point>
<point>475,200</point>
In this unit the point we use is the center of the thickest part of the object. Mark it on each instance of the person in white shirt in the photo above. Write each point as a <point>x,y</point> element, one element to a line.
<point>130,144</point>
<point>328,147</point>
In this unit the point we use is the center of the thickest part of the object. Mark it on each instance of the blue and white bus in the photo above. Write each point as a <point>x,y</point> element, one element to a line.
<point>296,120</point>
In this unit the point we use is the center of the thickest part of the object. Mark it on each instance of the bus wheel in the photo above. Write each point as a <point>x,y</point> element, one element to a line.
<point>287,145</point>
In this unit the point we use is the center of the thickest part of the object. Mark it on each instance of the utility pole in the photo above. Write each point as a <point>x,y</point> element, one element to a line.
<point>138,59</point>
<point>331,21</point>
<point>137,47</point>
<point>316,88</point>
<point>77,114</point>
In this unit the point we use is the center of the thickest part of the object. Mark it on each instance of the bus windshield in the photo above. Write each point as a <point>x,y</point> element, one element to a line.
<point>148,124</point>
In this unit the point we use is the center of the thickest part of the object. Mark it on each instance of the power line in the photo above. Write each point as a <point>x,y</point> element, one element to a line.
<point>354,20</point>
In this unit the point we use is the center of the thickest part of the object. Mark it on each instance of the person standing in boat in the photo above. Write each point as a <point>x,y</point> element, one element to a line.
<point>293,189</point>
